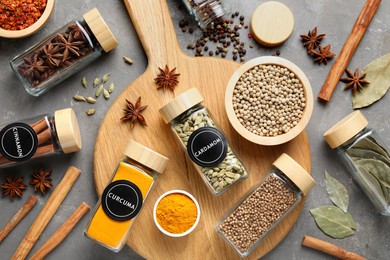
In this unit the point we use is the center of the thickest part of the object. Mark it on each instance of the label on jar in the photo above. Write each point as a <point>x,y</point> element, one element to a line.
<point>18,142</point>
<point>122,200</point>
<point>207,146</point>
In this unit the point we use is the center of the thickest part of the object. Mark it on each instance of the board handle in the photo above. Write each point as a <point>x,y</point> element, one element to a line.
<point>153,23</point>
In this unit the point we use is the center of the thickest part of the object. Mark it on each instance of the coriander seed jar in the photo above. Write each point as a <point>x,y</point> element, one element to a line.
<point>365,156</point>
<point>265,205</point>
<point>205,143</point>
<point>204,11</point>
<point>63,53</point>
<point>122,199</point>
<point>39,136</point>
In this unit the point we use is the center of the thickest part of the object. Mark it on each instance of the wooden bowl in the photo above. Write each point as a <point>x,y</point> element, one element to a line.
<point>269,140</point>
<point>34,27</point>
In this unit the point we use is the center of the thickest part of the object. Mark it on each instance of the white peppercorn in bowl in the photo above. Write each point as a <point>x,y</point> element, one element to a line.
<point>269,100</point>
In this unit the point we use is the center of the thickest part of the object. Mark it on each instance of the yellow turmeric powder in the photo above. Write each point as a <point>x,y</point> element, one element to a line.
<point>176,213</point>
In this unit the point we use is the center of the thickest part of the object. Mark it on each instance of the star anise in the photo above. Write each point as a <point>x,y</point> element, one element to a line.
<point>354,81</point>
<point>52,54</point>
<point>167,79</point>
<point>323,54</point>
<point>33,66</point>
<point>133,112</point>
<point>13,186</point>
<point>311,40</point>
<point>68,45</point>
<point>41,181</point>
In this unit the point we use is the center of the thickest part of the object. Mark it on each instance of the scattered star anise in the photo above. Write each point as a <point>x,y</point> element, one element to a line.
<point>13,187</point>
<point>323,54</point>
<point>354,81</point>
<point>167,79</point>
<point>41,181</point>
<point>133,112</point>
<point>312,40</point>
<point>52,54</point>
<point>68,45</point>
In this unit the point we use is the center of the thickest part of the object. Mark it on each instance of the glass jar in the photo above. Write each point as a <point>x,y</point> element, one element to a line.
<point>40,136</point>
<point>124,196</point>
<point>204,11</point>
<point>365,156</point>
<point>265,205</point>
<point>205,143</point>
<point>63,53</point>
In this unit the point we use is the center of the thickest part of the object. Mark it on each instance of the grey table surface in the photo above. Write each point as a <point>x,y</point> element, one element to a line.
<point>333,17</point>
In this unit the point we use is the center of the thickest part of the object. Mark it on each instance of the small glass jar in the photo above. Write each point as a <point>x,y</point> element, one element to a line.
<point>204,11</point>
<point>205,143</point>
<point>40,136</point>
<point>365,156</point>
<point>122,199</point>
<point>265,205</point>
<point>63,53</point>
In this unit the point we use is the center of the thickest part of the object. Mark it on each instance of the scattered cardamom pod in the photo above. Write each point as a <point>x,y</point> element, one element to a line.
<point>78,98</point>
<point>106,77</point>
<point>84,82</point>
<point>90,100</point>
<point>111,88</point>
<point>106,94</point>
<point>90,112</point>
<point>127,60</point>
<point>99,90</point>
<point>96,82</point>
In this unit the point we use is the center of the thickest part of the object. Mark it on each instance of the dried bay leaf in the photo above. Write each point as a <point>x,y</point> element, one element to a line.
<point>370,181</point>
<point>377,168</point>
<point>333,221</point>
<point>378,74</point>
<point>337,192</point>
<point>357,154</point>
<point>369,144</point>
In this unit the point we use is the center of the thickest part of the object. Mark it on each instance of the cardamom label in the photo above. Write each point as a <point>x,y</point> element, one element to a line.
<point>18,142</point>
<point>122,200</point>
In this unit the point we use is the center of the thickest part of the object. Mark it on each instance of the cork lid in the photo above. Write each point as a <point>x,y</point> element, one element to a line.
<point>100,29</point>
<point>345,129</point>
<point>295,173</point>
<point>68,130</point>
<point>180,104</point>
<point>146,156</point>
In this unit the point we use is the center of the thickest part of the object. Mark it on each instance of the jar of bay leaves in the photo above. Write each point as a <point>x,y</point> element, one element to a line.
<point>365,156</point>
<point>205,143</point>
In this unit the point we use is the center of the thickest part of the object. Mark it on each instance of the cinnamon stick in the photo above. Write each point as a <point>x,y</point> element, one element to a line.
<point>40,125</point>
<point>345,56</point>
<point>330,249</point>
<point>41,151</point>
<point>44,136</point>
<point>61,232</point>
<point>19,215</point>
<point>47,212</point>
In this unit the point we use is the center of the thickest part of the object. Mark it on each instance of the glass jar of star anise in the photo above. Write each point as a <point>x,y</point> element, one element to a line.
<point>63,53</point>
<point>204,11</point>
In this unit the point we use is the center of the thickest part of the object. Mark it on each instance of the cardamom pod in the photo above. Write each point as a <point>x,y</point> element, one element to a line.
<point>99,90</point>
<point>127,60</point>
<point>78,98</point>
<point>106,94</point>
<point>90,112</point>
<point>90,100</point>
<point>106,77</point>
<point>111,88</point>
<point>96,82</point>
<point>84,82</point>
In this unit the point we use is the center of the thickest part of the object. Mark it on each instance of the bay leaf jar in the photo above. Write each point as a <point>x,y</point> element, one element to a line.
<point>63,53</point>
<point>39,136</point>
<point>365,156</point>
<point>265,205</point>
<point>123,198</point>
<point>205,143</point>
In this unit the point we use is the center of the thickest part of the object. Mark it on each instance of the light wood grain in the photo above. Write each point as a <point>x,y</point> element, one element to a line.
<point>210,75</point>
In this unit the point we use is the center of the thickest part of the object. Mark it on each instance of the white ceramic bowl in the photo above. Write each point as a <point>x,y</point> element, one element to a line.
<point>193,226</point>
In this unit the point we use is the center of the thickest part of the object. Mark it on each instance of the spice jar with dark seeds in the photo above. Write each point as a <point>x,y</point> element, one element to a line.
<point>40,136</point>
<point>265,206</point>
<point>204,11</point>
<point>63,53</point>
<point>365,156</point>
<point>205,143</point>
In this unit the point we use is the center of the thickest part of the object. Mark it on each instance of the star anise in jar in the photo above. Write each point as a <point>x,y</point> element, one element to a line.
<point>13,187</point>
<point>167,79</point>
<point>133,112</point>
<point>354,81</point>
<point>323,54</point>
<point>33,66</point>
<point>52,55</point>
<point>68,45</point>
<point>41,181</point>
<point>311,40</point>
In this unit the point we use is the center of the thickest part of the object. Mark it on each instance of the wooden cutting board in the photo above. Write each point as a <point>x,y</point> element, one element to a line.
<point>154,26</point>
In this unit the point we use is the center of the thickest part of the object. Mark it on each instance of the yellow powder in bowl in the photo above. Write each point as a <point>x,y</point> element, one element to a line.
<point>176,213</point>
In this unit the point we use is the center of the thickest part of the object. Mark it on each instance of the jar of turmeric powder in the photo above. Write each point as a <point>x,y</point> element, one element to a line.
<point>124,196</point>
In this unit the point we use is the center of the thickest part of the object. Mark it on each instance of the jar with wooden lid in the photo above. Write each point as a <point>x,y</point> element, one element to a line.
<point>265,205</point>
<point>365,156</point>
<point>36,137</point>
<point>205,143</point>
<point>122,199</point>
<point>63,53</point>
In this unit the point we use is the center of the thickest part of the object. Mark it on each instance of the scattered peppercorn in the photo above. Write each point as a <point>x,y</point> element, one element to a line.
<point>191,30</point>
